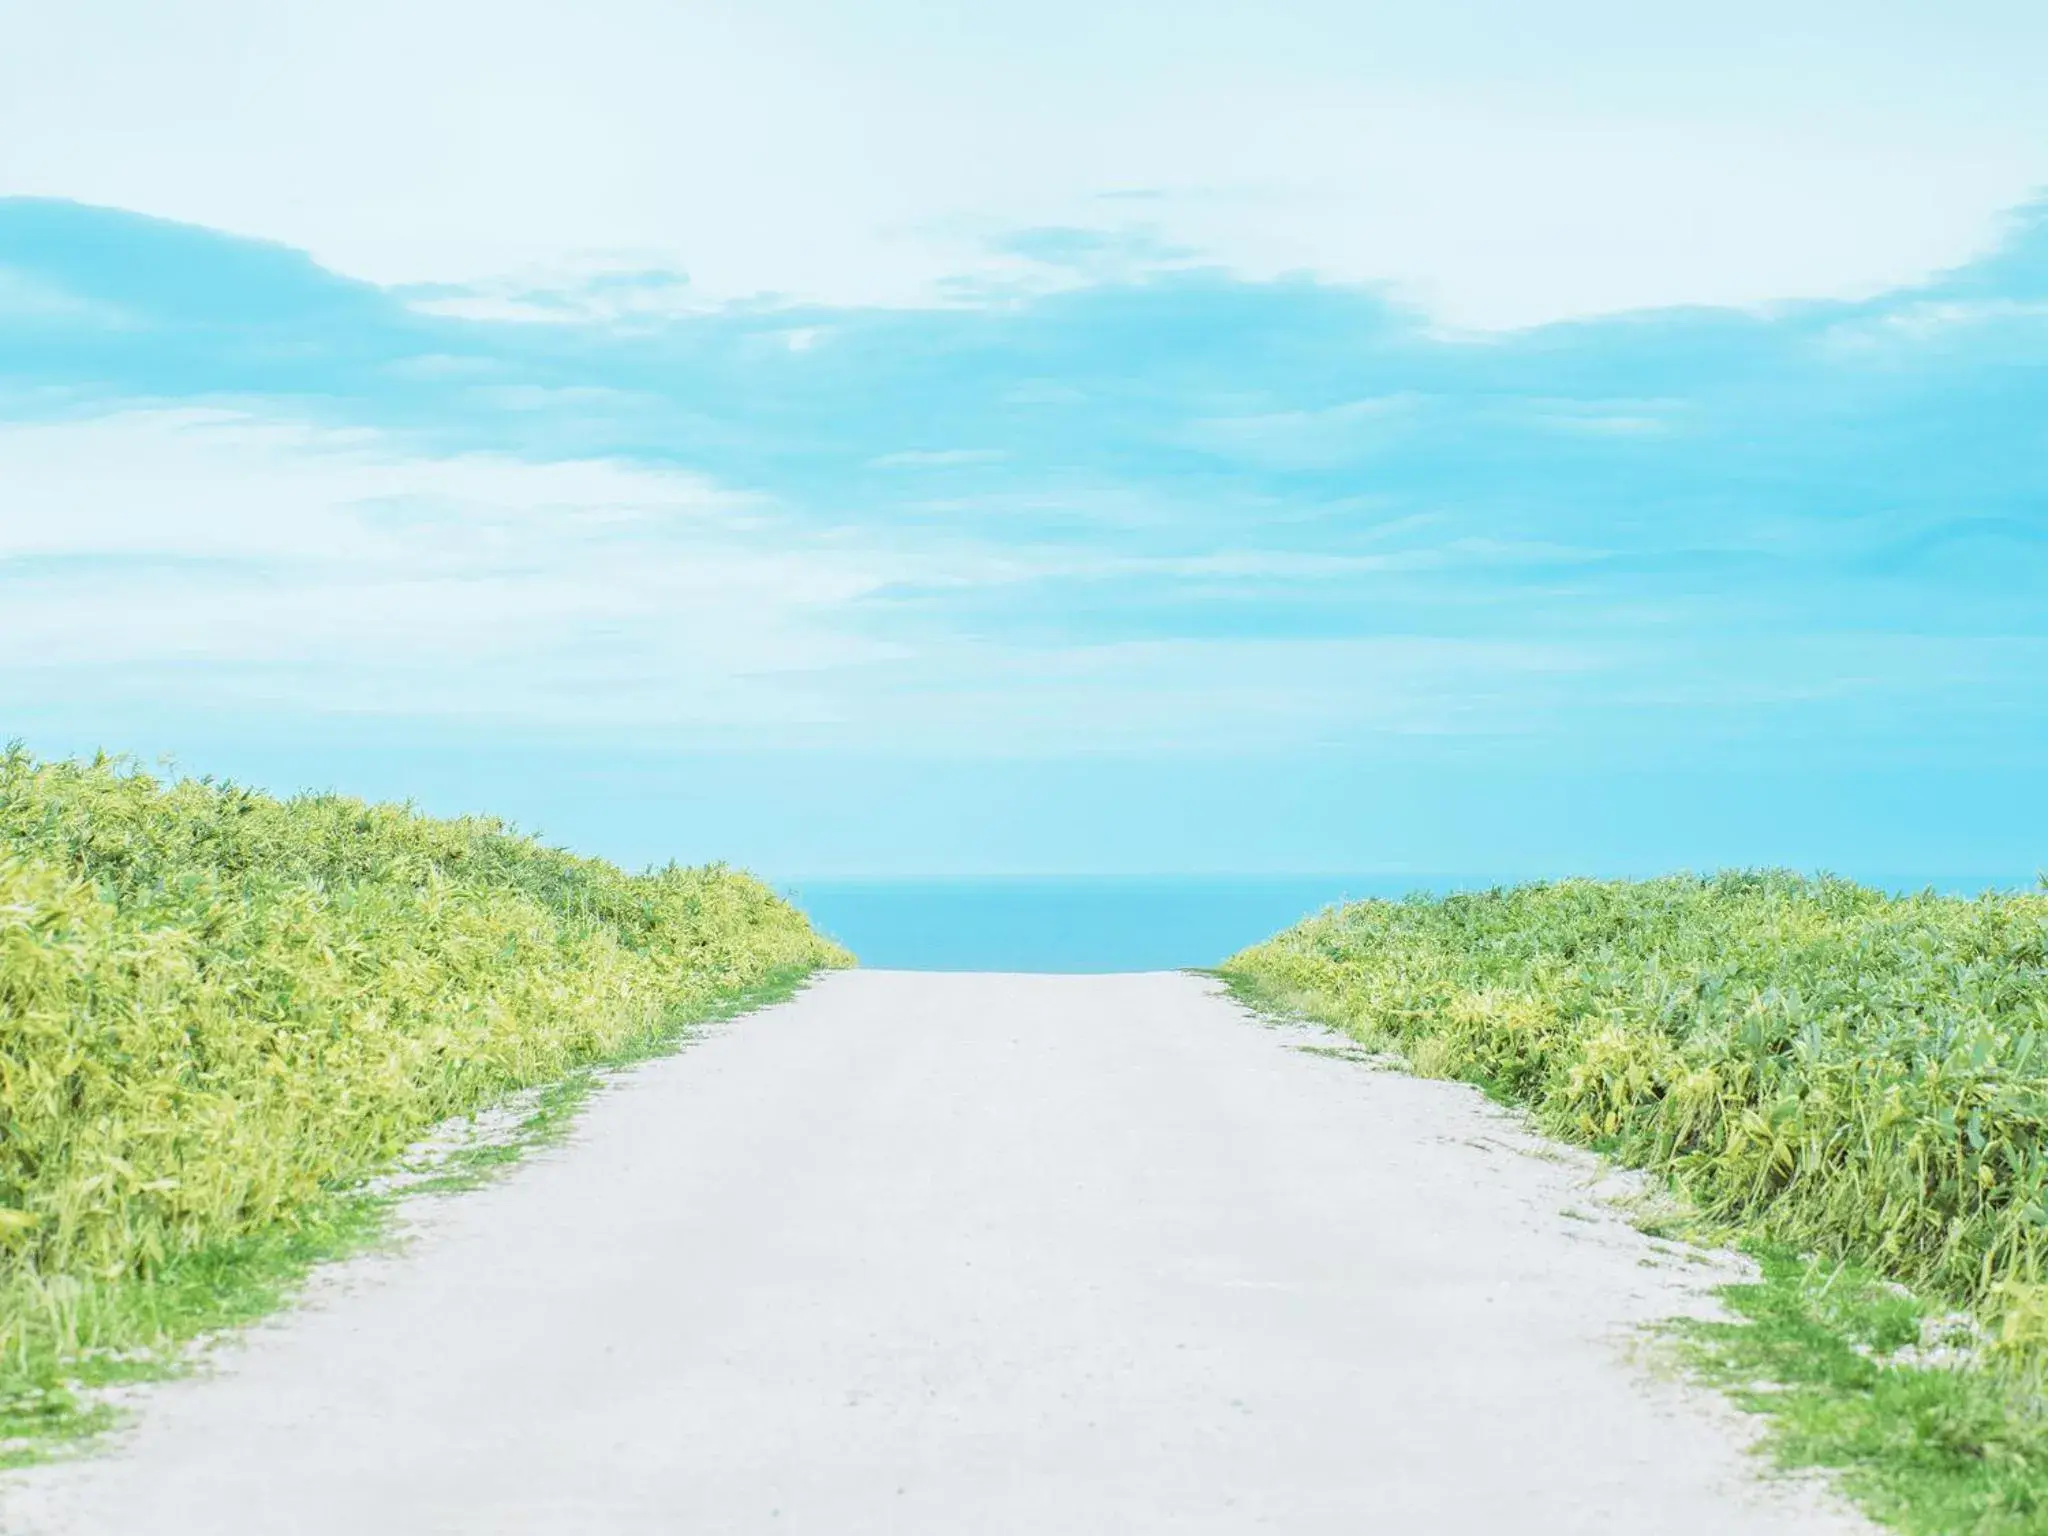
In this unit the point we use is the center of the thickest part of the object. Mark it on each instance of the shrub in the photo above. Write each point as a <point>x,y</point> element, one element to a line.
<point>1816,1063</point>
<point>220,1009</point>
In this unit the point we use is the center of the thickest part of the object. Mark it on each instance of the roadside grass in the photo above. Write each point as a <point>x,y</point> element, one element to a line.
<point>96,1335</point>
<point>225,1019</point>
<point>1851,1086</point>
<point>1858,1377</point>
<point>54,1394</point>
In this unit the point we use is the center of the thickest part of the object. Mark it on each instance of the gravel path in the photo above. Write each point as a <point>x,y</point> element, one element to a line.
<point>952,1254</point>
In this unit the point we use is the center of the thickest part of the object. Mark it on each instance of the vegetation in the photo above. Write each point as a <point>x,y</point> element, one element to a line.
<point>1850,1083</point>
<point>1862,1377</point>
<point>221,1013</point>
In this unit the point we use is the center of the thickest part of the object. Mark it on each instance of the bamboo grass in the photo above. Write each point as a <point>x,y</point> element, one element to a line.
<point>219,1009</point>
<point>1817,1064</point>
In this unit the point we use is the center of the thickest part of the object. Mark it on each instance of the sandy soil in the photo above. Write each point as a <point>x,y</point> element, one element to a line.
<point>974,1254</point>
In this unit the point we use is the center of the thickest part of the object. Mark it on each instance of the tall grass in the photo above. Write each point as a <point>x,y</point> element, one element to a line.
<point>220,1010</point>
<point>1817,1064</point>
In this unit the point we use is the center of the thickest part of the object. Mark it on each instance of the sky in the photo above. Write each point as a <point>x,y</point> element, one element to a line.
<point>1482,439</point>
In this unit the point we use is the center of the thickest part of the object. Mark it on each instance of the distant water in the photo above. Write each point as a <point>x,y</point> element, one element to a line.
<point>1111,924</point>
<point>1072,925</point>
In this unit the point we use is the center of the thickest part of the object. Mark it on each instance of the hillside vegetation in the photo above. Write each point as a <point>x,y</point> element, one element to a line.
<point>1855,1084</point>
<point>1817,1061</point>
<point>220,1011</point>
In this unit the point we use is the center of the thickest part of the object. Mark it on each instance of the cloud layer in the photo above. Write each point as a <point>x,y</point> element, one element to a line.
<point>1125,502</point>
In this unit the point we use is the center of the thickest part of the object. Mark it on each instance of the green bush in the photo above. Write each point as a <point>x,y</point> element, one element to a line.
<point>1817,1064</point>
<point>218,1010</point>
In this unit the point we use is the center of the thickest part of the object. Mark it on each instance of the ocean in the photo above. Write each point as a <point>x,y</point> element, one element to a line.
<point>1111,924</point>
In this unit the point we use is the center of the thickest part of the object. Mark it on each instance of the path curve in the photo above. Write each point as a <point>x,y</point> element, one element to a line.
<point>932,1254</point>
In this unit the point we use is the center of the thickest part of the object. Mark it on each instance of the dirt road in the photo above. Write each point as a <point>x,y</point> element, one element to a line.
<point>949,1254</point>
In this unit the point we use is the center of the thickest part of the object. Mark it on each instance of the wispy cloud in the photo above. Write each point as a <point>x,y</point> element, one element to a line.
<point>1149,504</point>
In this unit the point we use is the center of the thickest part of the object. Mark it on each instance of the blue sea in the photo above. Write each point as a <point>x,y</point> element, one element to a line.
<point>1111,924</point>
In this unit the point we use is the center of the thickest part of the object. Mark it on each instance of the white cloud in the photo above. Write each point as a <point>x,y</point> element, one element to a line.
<point>211,561</point>
<point>1503,163</point>
<point>348,574</point>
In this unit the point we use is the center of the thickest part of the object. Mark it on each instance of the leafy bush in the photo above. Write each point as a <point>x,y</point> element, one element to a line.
<point>219,1009</point>
<point>1817,1064</point>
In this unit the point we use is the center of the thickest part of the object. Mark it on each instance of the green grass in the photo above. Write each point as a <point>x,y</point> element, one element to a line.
<point>1934,1450</point>
<point>222,1014</point>
<point>1816,1069</point>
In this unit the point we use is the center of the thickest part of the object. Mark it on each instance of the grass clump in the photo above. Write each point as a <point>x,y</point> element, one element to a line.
<point>1822,1069</point>
<point>220,1013</point>
<point>1862,1378</point>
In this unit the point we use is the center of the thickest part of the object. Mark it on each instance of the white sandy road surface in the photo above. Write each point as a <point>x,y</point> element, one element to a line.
<point>965,1255</point>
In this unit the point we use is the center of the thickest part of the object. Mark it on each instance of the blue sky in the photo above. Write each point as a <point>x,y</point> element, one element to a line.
<point>1298,439</point>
